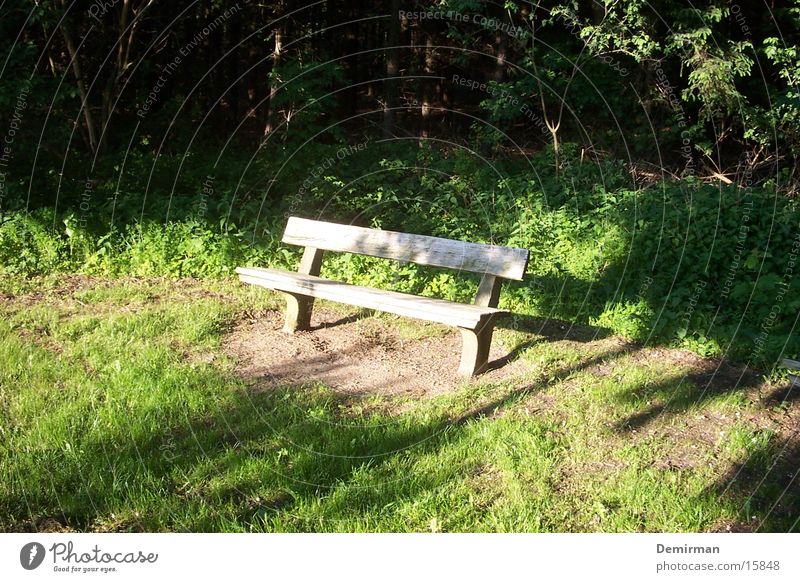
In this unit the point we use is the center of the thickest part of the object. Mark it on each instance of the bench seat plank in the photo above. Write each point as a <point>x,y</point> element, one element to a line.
<point>426,308</point>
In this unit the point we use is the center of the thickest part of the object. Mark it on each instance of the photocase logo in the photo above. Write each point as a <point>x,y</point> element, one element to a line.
<point>31,555</point>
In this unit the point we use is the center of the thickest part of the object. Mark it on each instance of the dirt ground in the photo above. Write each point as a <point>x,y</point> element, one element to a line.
<point>360,356</point>
<point>354,355</point>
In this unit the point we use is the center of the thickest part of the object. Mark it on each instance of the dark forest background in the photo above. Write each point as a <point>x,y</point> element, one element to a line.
<point>645,152</point>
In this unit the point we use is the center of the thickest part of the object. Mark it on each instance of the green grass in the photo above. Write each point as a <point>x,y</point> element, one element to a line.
<point>121,412</point>
<point>664,264</point>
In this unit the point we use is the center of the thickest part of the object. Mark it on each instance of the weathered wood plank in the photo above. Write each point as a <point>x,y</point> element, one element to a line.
<point>426,308</point>
<point>300,307</point>
<point>488,291</point>
<point>506,262</point>
<point>298,312</point>
<point>475,349</point>
<point>311,263</point>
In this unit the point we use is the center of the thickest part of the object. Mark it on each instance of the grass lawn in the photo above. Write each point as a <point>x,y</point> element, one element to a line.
<point>121,411</point>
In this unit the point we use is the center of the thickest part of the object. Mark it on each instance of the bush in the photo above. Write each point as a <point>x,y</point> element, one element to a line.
<point>680,262</point>
<point>35,244</point>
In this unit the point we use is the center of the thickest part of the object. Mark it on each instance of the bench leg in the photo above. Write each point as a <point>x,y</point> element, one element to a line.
<point>475,353</point>
<point>298,312</point>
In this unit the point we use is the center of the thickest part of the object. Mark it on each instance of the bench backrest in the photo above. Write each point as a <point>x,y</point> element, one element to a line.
<point>505,262</point>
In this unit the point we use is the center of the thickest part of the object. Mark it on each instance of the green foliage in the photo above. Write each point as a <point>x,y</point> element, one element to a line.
<point>680,262</point>
<point>782,116</point>
<point>712,80</point>
<point>31,245</point>
<point>303,96</point>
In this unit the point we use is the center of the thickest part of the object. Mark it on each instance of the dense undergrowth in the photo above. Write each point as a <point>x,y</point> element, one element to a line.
<point>707,267</point>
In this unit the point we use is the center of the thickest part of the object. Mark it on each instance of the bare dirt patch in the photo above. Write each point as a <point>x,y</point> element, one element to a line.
<point>354,355</point>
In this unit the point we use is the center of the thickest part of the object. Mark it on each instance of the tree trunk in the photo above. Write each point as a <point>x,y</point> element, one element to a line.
<point>500,56</point>
<point>392,68</point>
<point>274,81</point>
<point>428,86</point>
<point>91,128</point>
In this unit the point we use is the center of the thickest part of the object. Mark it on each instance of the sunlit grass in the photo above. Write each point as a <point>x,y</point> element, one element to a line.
<point>110,421</point>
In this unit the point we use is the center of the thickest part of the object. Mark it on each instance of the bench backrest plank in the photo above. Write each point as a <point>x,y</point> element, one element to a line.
<point>505,262</point>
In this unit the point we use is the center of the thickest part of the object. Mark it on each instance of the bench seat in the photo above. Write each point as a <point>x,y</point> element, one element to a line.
<point>425,308</point>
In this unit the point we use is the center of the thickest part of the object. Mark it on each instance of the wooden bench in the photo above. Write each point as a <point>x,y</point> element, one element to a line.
<point>476,321</point>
